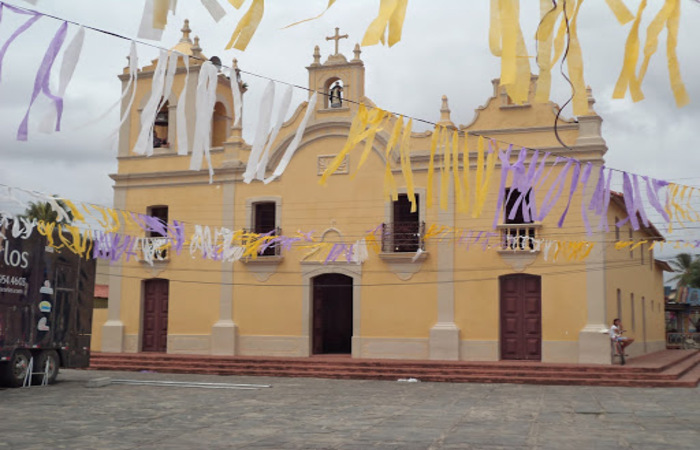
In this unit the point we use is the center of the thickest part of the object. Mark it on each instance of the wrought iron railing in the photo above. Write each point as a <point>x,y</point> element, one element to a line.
<point>269,249</point>
<point>154,249</point>
<point>683,340</point>
<point>403,237</point>
<point>519,237</point>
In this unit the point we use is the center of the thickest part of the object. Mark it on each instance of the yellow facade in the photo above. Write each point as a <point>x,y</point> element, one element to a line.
<point>443,303</point>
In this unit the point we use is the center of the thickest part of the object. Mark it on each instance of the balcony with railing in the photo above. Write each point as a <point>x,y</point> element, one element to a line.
<point>272,250</point>
<point>403,237</point>
<point>519,237</point>
<point>154,250</point>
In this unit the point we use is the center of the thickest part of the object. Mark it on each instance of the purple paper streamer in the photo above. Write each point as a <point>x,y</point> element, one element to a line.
<point>653,196</point>
<point>598,197</point>
<point>41,83</point>
<point>638,203</point>
<point>526,188</point>
<point>336,251</point>
<point>606,203</point>
<point>22,28</point>
<point>549,199</point>
<point>505,168</point>
<point>176,232</point>
<point>572,189</point>
<point>584,182</point>
<point>519,182</point>
<point>628,195</point>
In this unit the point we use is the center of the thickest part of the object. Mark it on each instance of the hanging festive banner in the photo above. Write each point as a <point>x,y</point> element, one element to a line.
<point>183,146</point>
<point>247,26</point>
<point>330,3</point>
<point>215,10</point>
<point>41,83</point>
<point>144,142</point>
<point>70,61</point>
<point>294,145</point>
<point>391,16</point>
<point>22,28</point>
<point>261,132</point>
<point>204,110</point>
<point>148,19</point>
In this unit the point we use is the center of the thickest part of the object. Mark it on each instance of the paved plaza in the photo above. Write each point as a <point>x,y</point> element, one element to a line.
<point>318,413</point>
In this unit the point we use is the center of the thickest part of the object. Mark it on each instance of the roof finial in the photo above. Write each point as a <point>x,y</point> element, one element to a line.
<point>196,49</point>
<point>445,119</point>
<point>186,32</point>
<point>317,56</point>
<point>357,52</point>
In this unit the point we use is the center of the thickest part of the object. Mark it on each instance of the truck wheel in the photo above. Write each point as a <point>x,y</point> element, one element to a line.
<point>16,368</point>
<point>52,357</point>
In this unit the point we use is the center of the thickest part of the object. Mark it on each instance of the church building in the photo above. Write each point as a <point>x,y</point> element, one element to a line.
<point>414,298</point>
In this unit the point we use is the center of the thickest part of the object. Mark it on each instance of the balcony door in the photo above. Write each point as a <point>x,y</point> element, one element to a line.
<point>405,229</point>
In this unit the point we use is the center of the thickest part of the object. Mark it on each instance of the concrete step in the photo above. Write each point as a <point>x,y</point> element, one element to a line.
<point>666,369</point>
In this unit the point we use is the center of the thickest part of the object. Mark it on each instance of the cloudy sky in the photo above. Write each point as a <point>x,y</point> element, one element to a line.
<point>444,50</point>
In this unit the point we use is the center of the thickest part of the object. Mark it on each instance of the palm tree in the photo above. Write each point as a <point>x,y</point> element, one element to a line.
<point>43,211</point>
<point>688,268</point>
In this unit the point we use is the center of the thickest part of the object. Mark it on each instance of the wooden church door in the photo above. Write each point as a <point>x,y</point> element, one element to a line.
<point>521,317</point>
<point>332,314</point>
<point>155,316</point>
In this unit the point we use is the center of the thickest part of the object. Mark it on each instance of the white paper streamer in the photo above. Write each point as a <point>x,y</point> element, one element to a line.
<point>261,133</point>
<point>294,145</point>
<point>206,99</point>
<point>173,6</point>
<point>237,97</point>
<point>181,117</point>
<point>144,143</point>
<point>281,114</point>
<point>169,77</point>
<point>215,9</point>
<point>70,61</point>
<point>146,30</point>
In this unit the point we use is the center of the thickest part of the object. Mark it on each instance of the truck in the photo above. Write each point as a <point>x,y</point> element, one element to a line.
<point>46,303</point>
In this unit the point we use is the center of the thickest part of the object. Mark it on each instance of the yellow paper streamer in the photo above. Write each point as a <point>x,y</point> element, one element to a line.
<point>431,166</point>
<point>77,215</point>
<point>247,26</point>
<point>545,40</point>
<point>358,124</point>
<point>445,172</point>
<point>160,13</point>
<point>621,11</point>
<point>375,119</point>
<point>495,30</point>
<point>515,64</point>
<point>630,64</point>
<point>459,193</point>
<point>330,3</point>
<point>652,41</point>
<point>679,92</point>
<point>466,168</point>
<point>406,165</point>
<point>575,66</point>
<point>391,15</point>
<point>483,180</point>
<point>238,3</point>
<point>390,189</point>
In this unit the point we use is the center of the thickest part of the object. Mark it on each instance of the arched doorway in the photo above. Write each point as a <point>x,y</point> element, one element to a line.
<point>521,317</point>
<point>332,314</point>
<point>154,331</point>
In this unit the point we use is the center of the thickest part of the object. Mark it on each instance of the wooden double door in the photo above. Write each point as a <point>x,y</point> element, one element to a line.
<point>332,314</point>
<point>521,317</point>
<point>155,316</point>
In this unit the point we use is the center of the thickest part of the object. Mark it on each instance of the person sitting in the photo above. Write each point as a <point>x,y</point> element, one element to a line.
<point>616,334</point>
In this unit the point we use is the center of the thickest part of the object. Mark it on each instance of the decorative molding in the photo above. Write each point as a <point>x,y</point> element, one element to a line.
<point>518,260</point>
<point>403,264</point>
<point>325,160</point>
<point>263,267</point>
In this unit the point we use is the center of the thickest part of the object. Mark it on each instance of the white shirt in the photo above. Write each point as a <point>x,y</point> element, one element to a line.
<point>614,332</point>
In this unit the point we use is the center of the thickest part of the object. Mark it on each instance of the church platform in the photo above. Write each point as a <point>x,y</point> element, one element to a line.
<point>668,368</point>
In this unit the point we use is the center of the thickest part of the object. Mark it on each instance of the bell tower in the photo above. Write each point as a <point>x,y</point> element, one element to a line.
<point>341,82</point>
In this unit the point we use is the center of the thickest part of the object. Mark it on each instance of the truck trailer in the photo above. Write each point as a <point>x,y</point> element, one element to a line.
<point>46,303</point>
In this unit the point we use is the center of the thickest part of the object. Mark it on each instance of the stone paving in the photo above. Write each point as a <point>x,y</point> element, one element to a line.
<point>338,414</point>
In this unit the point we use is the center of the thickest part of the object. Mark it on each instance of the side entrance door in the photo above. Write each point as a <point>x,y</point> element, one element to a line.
<point>155,316</point>
<point>332,314</point>
<point>521,317</point>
